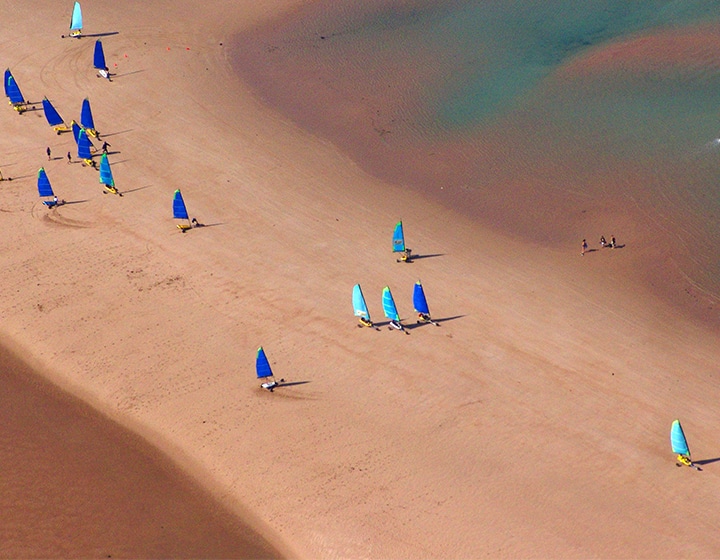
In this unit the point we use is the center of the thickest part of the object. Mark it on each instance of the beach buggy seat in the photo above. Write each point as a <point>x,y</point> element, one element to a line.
<point>111,190</point>
<point>406,256</point>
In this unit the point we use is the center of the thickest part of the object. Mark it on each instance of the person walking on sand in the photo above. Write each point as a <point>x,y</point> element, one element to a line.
<point>69,156</point>
<point>48,152</point>
<point>602,241</point>
<point>105,146</point>
<point>613,243</point>
<point>584,248</point>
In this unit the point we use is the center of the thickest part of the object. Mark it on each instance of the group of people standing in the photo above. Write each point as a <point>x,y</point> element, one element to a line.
<point>48,151</point>
<point>603,243</point>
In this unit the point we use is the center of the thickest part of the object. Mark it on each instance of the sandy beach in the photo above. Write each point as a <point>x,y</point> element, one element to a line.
<point>532,423</point>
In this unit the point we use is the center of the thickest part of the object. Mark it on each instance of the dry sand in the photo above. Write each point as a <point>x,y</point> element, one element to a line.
<point>532,423</point>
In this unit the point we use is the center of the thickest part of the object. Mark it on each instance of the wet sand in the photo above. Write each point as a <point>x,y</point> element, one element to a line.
<point>77,485</point>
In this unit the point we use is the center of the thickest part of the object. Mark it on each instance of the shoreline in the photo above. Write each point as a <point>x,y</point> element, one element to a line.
<point>388,444</point>
<point>548,206</point>
<point>98,489</point>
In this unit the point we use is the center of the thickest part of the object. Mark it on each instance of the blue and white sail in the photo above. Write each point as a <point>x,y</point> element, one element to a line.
<point>86,118</point>
<point>43,184</point>
<point>106,176</point>
<point>264,371</point>
<point>12,90</point>
<point>678,440</point>
<point>262,365</point>
<point>45,189</point>
<point>99,56</point>
<point>419,301</point>
<point>389,307</point>
<point>359,305</point>
<point>75,128</point>
<point>76,21</point>
<point>51,115</point>
<point>5,82</point>
<point>398,238</point>
<point>84,146</point>
<point>180,211</point>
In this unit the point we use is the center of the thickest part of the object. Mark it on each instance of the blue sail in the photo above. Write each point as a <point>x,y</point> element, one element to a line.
<point>389,305</point>
<point>359,304</point>
<point>262,365</point>
<point>51,114</point>
<point>76,22</point>
<point>43,184</point>
<point>76,131</point>
<point>179,209</point>
<point>6,79</point>
<point>106,177</point>
<point>419,300</point>
<point>99,56</point>
<point>86,118</point>
<point>398,238</point>
<point>677,439</point>
<point>13,91</point>
<point>84,145</point>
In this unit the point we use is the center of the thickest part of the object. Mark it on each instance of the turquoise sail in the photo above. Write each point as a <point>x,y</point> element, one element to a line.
<point>106,177</point>
<point>99,56</point>
<point>76,22</point>
<point>419,300</point>
<point>389,305</point>
<point>51,115</point>
<point>398,238</point>
<point>86,118</point>
<point>75,127</point>
<point>262,365</point>
<point>13,90</point>
<point>84,145</point>
<point>359,304</point>
<point>43,184</point>
<point>677,439</point>
<point>179,209</point>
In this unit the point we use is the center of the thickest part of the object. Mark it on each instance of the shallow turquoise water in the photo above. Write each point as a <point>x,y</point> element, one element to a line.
<point>521,42</point>
<point>489,100</point>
